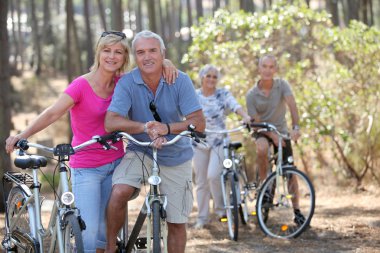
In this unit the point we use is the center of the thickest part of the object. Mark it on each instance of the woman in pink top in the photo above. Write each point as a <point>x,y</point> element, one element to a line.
<point>87,98</point>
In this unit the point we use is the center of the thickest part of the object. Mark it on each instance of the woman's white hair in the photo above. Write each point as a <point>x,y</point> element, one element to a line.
<point>207,68</point>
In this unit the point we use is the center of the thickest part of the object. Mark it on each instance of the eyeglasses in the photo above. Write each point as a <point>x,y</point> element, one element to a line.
<point>212,76</point>
<point>153,109</point>
<point>121,34</point>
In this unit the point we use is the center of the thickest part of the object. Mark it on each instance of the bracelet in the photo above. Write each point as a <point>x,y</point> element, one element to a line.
<point>145,128</point>
<point>296,127</point>
<point>167,125</point>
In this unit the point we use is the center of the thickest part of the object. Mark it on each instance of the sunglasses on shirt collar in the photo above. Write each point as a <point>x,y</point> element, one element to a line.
<point>153,109</point>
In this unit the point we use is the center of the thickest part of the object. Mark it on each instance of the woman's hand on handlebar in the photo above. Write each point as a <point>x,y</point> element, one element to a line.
<point>11,142</point>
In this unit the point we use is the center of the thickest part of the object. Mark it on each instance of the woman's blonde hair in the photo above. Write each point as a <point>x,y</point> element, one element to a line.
<point>111,39</point>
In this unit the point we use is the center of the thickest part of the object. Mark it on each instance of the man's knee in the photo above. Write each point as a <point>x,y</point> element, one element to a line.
<point>122,193</point>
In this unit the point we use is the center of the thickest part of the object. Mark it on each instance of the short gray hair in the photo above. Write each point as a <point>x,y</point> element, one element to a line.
<point>207,68</point>
<point>147,35</point>
<point>269,56</point>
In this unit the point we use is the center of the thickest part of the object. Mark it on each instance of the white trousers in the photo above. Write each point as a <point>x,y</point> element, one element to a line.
<point>208,165</point>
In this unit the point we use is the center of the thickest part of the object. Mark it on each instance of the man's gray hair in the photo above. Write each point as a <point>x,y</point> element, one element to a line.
<point>147,35</point>
<point>269,56</point>
<point>207,68</point>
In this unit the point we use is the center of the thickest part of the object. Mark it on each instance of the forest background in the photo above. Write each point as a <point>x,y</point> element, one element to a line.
<point>329,51</point>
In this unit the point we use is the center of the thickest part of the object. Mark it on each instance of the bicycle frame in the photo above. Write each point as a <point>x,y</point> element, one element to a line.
<point>62,205</point>
<point>154,180</point>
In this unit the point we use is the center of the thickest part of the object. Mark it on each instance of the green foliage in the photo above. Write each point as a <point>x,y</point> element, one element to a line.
<point>334,74</point>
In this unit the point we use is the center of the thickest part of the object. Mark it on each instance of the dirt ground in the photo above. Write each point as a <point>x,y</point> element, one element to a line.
<point>344,221</point>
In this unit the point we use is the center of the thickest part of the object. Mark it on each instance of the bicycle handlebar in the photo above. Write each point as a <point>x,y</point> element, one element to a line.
<point>226,131</point>
<point>103,140</point>
<point>267,127</point>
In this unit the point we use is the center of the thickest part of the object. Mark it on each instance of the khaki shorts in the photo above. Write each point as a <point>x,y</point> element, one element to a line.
<point>176,183</point>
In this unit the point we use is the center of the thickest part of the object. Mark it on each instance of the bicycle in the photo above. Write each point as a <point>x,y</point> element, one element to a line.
<point>23,224</point>
<point>235,186</point>
<point>284,190</point>
<point>154,207</point>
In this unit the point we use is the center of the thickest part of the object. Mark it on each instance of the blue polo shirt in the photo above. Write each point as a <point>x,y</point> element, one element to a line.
<point>173,102</point>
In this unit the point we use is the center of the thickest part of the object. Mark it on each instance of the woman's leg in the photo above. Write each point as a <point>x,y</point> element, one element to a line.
<point>200,165</point>
<point>213,176</point>
<point>86,187</point>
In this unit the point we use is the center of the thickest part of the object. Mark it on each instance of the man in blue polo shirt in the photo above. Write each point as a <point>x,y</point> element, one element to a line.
<point>145,106</point>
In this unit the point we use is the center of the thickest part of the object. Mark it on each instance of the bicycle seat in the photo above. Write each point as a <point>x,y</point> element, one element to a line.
<point>235,145</point>
<point>30,161</point>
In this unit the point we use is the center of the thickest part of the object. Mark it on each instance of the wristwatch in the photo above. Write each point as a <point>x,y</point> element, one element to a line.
<point>296,127</point>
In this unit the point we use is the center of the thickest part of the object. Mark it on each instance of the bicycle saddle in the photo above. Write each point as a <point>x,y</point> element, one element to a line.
<point>235,145</point>
<point>30,161</point>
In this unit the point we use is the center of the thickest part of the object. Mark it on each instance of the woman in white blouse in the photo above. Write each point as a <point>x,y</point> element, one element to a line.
<point>207,162</point>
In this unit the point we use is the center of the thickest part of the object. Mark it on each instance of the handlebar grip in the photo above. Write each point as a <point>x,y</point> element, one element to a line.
<point>262,125</point>
<point>112,136</point>
<point>22,144</point>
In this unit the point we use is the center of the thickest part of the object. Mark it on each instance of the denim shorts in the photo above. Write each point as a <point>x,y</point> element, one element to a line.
<point>92,189</point>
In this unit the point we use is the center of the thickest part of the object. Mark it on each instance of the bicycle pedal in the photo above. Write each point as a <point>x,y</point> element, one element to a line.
<point>141,243</point>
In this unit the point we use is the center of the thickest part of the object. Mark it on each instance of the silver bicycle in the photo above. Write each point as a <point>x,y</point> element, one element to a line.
<point>154,207</point>
<point>23,225</point>
<point>284,194</point>
<point>236,192</point>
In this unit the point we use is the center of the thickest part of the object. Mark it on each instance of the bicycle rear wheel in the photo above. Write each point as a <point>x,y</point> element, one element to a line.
<point>276,206</point>
<point>21,221</point>
<point>232,206</point>
<point>156,226</point>
<point>72,235</point>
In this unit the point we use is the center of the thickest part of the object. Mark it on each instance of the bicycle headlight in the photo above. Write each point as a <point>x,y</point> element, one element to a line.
<point>227,163</point>
<point>67,198</point>
<point>154,180</point>
<point>290,159</point>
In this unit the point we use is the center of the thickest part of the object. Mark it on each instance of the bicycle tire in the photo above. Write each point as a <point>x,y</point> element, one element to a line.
<point>21,229</point>
<point>281,222</point>
<point>72,235</point>
<point>232,207</point>
<point>135,231</point>
<point>243,207</point>
<point>156,222</point>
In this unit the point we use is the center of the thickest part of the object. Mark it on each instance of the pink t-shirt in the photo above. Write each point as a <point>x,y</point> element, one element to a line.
<point>87,120</point>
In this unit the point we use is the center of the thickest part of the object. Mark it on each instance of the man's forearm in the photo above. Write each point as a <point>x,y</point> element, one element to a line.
<point>197,119</point>
<point>115,122</point>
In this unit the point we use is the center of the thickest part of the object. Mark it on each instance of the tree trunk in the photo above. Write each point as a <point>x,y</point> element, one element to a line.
<point>37,59</point>
<point>5,87</point>
<point>162,26</point>
<point>364,9</point>
<point>102,15</point>
<point>372,22</point>
<point>16,52</point>
<point>139,17</point>
<point>333,8</point>
<point>74,65</point>
<point>189,14</point>
<point>20,37</point>
<point>117,16</point>
<point>152,15</point>
<point>48,35</point>
<point>199,8</point>
<point>247,5</point>
<point>353,9</point>
<point>89,43</point>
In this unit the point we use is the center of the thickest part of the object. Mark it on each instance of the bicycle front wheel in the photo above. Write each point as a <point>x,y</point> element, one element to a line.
<point>21,220</point>
<point>72,235</point>
<point>156,226</point>
<point>279,201</point>
<point>244,191</point>
<point>232,206</point>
